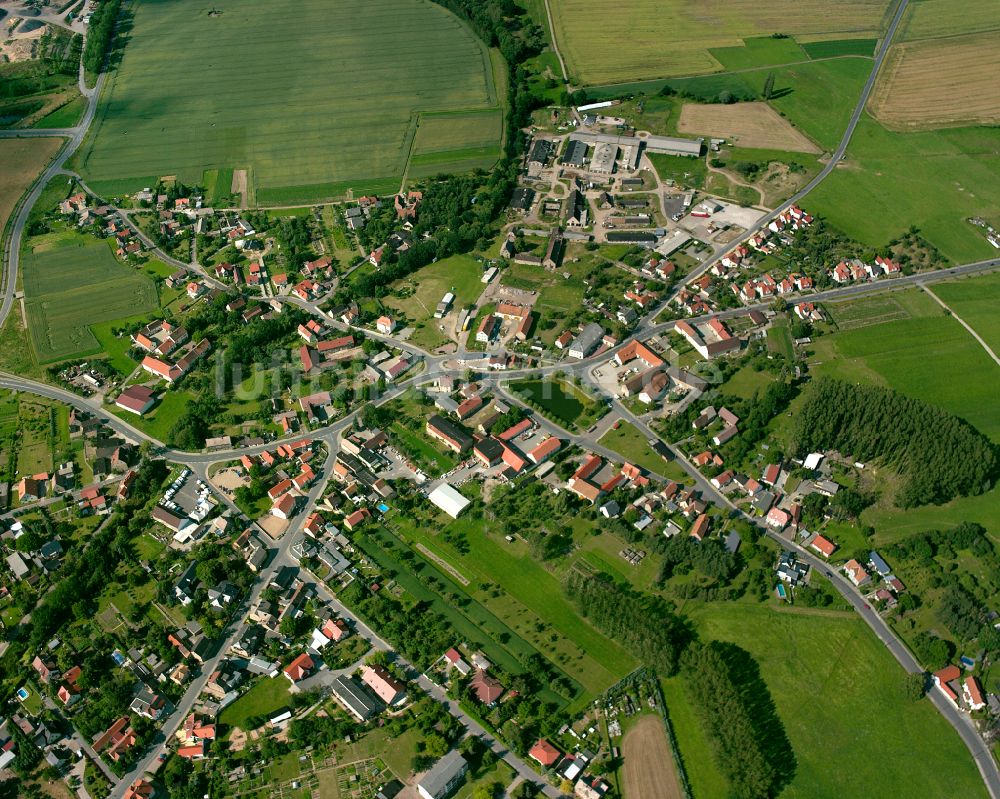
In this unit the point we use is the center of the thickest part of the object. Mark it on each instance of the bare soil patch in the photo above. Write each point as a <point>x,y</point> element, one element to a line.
<point>649,771</point>
<point>745,124</point>
<point>940,83</point>
<point>20,162</point>
<point>240,186</point>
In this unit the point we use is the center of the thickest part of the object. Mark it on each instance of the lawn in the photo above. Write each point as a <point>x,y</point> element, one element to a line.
<point>746,382</point>
<point>158,422</point>
<point>779,338</point>
<point>841,698</point>
<point>959,170</point>
<point>928,356</point>
<point>360,105</point>
<point>268,695</point>
<point>649,38</point>
<point>72,281</point>
<point>626,440</point>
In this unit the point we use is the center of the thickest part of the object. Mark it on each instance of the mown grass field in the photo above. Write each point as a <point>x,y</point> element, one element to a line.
<point>929,19</point>
<point>840,696</point>
<point>926,355</point>
<point>21,161</point>
<point>652,38</point>
<point>65,116</point>
<point>71,282</point>
<point>957,178</point>
<point>940,83</point>
<point>268,695</point>
<point>356,73</point>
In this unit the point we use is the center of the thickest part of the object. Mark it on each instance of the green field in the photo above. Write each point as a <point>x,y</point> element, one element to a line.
<point>653,38</point>
<point>71,282</point>
<point>358,73</point>
<point>832,48</point>
<point>759,52</point>
<point>471,137</point>
<point>975,301</point>
<point>926,355</point>
<point>840,696</point>
<point>957,178</point>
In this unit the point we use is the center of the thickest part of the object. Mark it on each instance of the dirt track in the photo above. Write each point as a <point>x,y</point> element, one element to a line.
<point>649,771</point>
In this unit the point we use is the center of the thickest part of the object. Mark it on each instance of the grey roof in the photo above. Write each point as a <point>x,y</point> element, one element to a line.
<point>356,697</point>
<point>541,149</point>
<point>587,339</point>
<point>880,565</point>
<point>733,541</point>
<point>576,153</point>
<point>443,774</point>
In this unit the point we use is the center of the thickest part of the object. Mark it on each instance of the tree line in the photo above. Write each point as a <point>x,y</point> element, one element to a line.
<point>101,30</point>
<point>736,707</point>
<point>643,625</point>
<point>940,455</point>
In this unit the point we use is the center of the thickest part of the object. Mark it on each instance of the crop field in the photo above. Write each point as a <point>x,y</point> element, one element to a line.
<point>657,38</point>
<point>929,356</point>
<point>649,768</point>
<point>867,312</point>
<point>71,282</point>
<point>931,19</point>
<point>21,161</point>
<point>746,124</point>
<point>883,740</point>
<point>763,51</point>
<point>326,99</point>
<point>834,48</point>
<point>940,82</point>
<point>957,179</point>
<point>443,139</point>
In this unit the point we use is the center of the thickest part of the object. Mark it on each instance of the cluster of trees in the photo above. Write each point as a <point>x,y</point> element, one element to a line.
<point>520,510</point>
<point>191,428</point>
<point>87,571</point>
<point>736,707</point>
<point>681,554</point>
<point>755,415</point>
<point>940,455</point>
<point>101,30</point>
<point>417,631</point>
<point>643,625</point>
<point>296,241</point>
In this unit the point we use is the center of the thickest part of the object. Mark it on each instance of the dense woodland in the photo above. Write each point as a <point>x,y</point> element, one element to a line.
<point>940,455</point>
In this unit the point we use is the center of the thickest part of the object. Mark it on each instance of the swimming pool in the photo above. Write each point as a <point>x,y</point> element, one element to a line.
<point>22,694</point>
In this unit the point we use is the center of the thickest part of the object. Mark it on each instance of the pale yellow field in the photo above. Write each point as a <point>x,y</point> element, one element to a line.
<point>938,83</point>
<point>637,39</point>
<point>744,124</point>
<point>21,161</point>
<point>932,19</point>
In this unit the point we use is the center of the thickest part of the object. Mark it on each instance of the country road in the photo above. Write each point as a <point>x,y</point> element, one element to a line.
<point>432,366</point>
